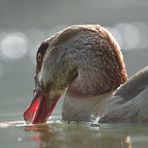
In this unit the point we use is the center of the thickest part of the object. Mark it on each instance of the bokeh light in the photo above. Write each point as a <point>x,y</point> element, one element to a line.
<point>143,30</point>
<point>117,35</point>
<point>13,46</point>
<point>130,35</point>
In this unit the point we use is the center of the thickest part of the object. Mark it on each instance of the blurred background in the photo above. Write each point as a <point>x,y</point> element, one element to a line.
<point>25,24</point>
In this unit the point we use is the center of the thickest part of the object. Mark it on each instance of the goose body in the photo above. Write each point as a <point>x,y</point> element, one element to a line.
<point>86,63</point>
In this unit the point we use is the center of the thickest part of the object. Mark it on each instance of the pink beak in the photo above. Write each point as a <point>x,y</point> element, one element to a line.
<point>40,108</point>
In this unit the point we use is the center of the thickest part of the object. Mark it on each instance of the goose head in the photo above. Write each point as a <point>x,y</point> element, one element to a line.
<point>81,60</point>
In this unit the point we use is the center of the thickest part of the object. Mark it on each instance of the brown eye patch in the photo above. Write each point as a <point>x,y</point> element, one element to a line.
<point>40,55</point>
<point>41,51</point>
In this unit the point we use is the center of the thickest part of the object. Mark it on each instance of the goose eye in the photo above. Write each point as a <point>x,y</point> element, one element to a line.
<point>39,57</point>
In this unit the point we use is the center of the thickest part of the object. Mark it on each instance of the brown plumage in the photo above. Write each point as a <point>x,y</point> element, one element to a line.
<point>87,63</point>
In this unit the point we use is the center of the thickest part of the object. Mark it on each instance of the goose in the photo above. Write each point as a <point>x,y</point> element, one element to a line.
<point>85,63</point>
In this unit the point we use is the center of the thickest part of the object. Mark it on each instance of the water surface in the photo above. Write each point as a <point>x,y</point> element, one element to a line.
<point>57,134</point>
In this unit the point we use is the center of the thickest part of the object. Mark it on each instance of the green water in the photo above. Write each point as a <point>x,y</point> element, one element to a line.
<point>57,134</point>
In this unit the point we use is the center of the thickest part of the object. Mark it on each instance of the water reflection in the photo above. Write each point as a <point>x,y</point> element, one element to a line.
<point>128,142</point>
<point>63,135</point>
<point>80,135</point>
<point>42,134</point>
